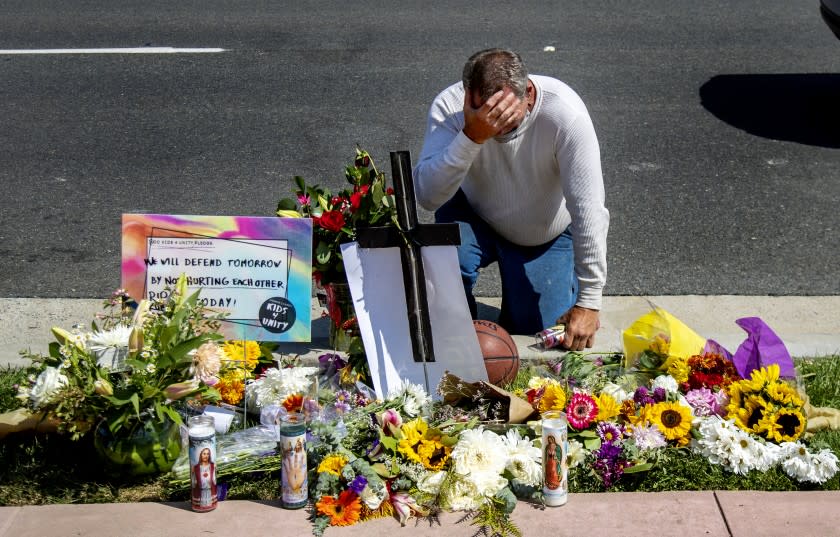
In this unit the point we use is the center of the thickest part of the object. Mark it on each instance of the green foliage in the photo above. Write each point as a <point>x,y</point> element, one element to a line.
<point>337,217</point>
<point>162,334</point>
<point>10,379</point>
<point>492,520</point>
<point>820,376</point>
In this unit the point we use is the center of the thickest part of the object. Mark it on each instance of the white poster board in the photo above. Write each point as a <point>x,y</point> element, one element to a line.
<point>376,284</point>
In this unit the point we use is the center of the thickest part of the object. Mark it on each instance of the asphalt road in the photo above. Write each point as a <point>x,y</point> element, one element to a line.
<point>719,124</point>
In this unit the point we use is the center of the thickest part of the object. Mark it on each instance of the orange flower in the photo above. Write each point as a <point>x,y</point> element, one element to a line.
<point>344,511</point>
<point>293,403</point>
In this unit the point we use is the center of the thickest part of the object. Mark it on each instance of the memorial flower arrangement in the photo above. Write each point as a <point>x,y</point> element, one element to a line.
<point>336,217</point>
<point>739,424</point>
<point>128,370</point>
<point>397,457</point>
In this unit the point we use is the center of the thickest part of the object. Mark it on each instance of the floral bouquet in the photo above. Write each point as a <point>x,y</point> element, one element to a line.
<point>336,218</point>
<point>168,352</point>
<point>399,458</point>
<point>701,404</point>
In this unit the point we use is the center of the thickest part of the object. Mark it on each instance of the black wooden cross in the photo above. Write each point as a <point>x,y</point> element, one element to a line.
<point>410,238</point>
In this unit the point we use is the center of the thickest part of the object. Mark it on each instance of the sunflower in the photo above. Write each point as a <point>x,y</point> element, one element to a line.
<point>582,410</point>
<point>750,415</point>
<point>607,407</point>
<point>736,394</point>
<point>786,425</point>
<point>412,433</point>
<point>433,453</point>
<point>553,397</point>
<point>760,378</point>
<point>783,394</point>
<point>293,403</point>
<point>344,511</point>
<point>245,354</point>
<point>423,445</point>
<point>332,464</point>
<point>672,418</point>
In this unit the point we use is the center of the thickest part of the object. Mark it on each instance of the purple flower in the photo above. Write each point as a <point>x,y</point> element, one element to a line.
<point>330,359</point>
<point>642,396</point>
<point>659,394</point>
<point>358,484</point>
<point>608,432</point>
<point>342,401</point>
<point>609,464</point>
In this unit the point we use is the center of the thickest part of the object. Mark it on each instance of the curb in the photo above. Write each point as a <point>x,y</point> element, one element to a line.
<point>809,326</point>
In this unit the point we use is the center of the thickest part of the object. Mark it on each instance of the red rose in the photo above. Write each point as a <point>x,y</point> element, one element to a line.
<point>389,191</point>
<point>331,221</point>
<point>355,201</point>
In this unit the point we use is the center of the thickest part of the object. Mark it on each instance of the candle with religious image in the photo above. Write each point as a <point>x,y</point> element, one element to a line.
<point>555,445</point>
<point>202,434</point>
<point>294,492</point>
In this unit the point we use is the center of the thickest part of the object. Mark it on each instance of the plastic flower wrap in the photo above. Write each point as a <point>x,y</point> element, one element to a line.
<point>657,339</point>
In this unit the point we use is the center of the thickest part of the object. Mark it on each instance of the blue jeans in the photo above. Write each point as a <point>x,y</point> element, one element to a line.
<point>538,282</point>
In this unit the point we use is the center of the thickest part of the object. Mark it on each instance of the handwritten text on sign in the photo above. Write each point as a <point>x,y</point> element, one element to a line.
<point>255,269</point>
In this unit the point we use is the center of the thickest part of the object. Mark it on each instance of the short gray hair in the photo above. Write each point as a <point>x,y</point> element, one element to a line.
<point>491,70</point>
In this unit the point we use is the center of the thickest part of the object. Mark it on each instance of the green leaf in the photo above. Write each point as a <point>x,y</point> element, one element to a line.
<point>377,193</point>
<point>135,401</point>
<point>322,253</point>
<point>301,184</point>
<point>286,204</point>
<point>592,443</point>
<point>638,468</point>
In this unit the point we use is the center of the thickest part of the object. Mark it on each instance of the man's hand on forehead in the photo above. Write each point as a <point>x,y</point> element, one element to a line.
<point>501,113</point>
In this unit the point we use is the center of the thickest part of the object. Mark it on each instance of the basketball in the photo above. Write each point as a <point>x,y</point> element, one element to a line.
<point>501,358</point>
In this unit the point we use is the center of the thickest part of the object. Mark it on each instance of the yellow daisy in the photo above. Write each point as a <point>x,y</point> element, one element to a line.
<point>608,407</point>
<point>553,398</point>
<point>672,418</point>
<point>245,356</point>
<point>679,369</point>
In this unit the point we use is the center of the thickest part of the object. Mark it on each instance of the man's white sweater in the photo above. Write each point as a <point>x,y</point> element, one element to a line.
<point>530,188</point>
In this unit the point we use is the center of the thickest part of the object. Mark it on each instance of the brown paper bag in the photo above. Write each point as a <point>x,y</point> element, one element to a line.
<point>455,391</point>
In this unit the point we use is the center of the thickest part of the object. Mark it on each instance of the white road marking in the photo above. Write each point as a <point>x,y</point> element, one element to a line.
<point>135,50</point>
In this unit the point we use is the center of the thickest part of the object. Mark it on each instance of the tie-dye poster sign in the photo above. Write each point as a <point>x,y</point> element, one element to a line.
<point>255,269</point>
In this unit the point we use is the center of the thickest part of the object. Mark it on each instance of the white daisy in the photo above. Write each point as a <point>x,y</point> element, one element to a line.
<point>115,337</point>
<point>412,397</point>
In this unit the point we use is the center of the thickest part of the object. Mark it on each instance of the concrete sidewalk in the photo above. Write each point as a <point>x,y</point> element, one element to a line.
<point>666,514</point>
<point>809,326</point>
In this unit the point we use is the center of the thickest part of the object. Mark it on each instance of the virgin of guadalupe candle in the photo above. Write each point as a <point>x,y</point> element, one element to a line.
<point>293,478</point>
<point>202,433</point>
<point>555,446</point>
